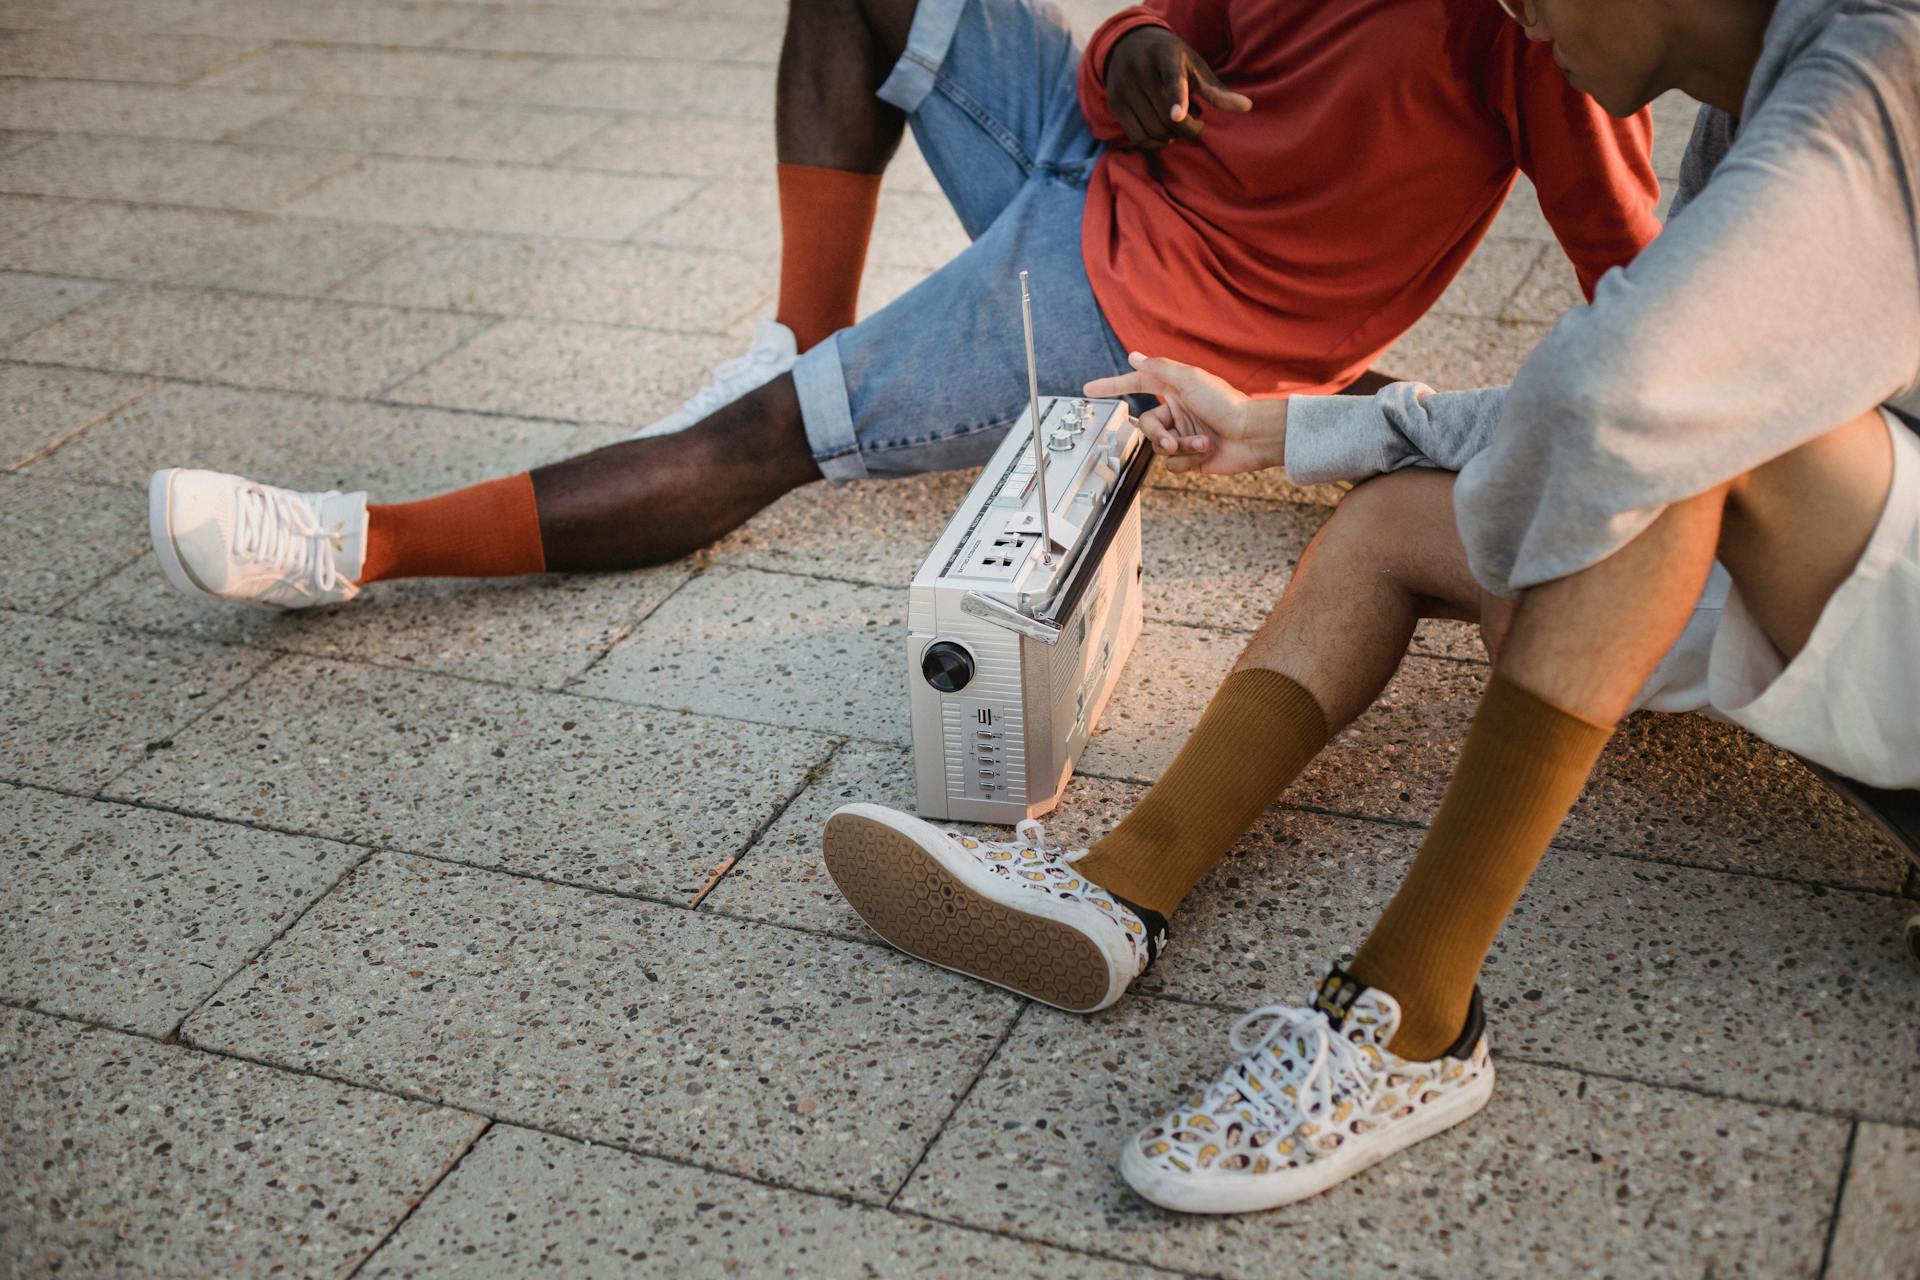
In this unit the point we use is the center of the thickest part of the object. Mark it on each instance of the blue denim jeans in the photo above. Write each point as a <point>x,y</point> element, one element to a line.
<point>933,381</point>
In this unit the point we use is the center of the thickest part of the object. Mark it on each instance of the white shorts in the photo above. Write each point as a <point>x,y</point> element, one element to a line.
<point>1850,699</point>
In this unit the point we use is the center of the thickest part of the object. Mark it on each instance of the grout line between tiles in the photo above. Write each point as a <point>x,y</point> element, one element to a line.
<point>48,450</point>
<point>1839,1200</point>
<point>1006,1033</point>
<point>415,1202</point>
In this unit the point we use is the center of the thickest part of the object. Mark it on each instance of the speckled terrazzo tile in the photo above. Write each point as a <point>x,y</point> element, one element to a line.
<point>1561,1175</point>
<point>431,130</point>
<point>700,146</point>
<point>310,442</point>
<point>1218,562</point>
<point>576,372</point>
<point>109,55</point>
<point>474,197</point>
<point>1167,683</point>
<point>812,1062</point>
<point>1550,290</point>
<point>1454,352</point>
<point>624,798</point>
<point>79,703</point>
<point>143,110</point>
<point>769,647</point>
<point>782,879</point>
<point>212,248</point>
<point>357,22</point>
<point>162,171</point>
<point>1878,1237</point>
<point>567,280</point>
<point>40,407</point>
<point>729,90</point>
<point>358,70</point>
<point>21,214</point>
<point>911,228</point>
<point>57,539</point>
<point>1488,279</point>
<point>1271,483</point>
<point>540,631</point>
<point>124,1157</point>
<point>610,34</point>
<point>876,531</point>
<point>294,344</point>
<point>131,918</point>
<point>33,302</point>
<point>526,1202</point>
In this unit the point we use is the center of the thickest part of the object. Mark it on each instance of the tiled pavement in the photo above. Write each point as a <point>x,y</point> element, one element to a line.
<point>364,940</point>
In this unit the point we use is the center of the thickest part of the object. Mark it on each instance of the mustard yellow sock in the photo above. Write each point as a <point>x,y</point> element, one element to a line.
<point>1256,736</point>
<point>1523,765</point>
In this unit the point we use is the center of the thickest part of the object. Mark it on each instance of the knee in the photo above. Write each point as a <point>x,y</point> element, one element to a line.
<point>1376,520</point>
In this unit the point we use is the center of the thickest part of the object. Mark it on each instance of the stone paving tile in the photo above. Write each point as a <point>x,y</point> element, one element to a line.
<point>131,918</point>
<point>130,1158</point>
<point>1489,278</point>
<point>1548,293</point>
<point>432,130</point>
<point>367,22</point>
<point>1562,1175</point>
<point>567,280</point>
<point>12,140</point>
<point>637,801</point>
<point>393,452</point>
<point>1219,561</point>
<point>148,110</point>
<point>1455,352</point>
<point>30,302</point>
<point>1520,217</point>
<point>1671,787</point>
<point>290,343</point>
<point>97,15</point>
<point>1673,116</point>
<point>699,145</point>
<point>57,539</point>
<point>21,214</point>
<point>910,228</point>
<point>875,531</point>
<point>611,34</point>
<point>470,197</point>
<point>79,703</point>
<point>1271,484</point>
<point>158,171</point>
<point>202,247</point>
<point>769,647</point>
<point>526,1201</point>
<point>111,55</point>
<point>577,372</point>
<point>1878,1237</point>
<point>40,407</point>
<point>422,74</point>
<point>821,1064</point>
<point>732,90</point>
<point>540,631</point>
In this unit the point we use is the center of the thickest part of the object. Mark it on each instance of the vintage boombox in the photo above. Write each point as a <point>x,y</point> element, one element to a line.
<point>1024,613</point>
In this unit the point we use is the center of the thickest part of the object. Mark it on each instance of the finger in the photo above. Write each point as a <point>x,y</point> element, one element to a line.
<point>1123,110</point>
<point>1154,425</point>
<point>1196,444</point>
<point>1173,91</point>
<point>1213,93</point>
<point>1148,111</point>
<point>1120,384</point>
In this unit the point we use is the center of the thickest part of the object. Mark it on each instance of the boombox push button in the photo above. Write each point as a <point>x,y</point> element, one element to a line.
<point>947,666</point>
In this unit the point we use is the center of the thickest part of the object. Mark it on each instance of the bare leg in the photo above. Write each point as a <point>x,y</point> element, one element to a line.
<point>1389,556</point>
<point>645,502</point>
<point>835,57</point>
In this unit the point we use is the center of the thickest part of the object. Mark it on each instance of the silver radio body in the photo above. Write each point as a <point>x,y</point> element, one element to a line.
<point>1013,648</point>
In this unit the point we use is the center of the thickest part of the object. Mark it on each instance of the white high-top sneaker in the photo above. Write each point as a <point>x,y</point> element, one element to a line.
<point>222,535</point>
<point>1012,912</point>
<point>772,354</point>
<point>1315,1097</point>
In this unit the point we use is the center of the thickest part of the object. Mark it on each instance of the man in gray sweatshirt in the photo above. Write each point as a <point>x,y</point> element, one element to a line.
<point>1702,490</point>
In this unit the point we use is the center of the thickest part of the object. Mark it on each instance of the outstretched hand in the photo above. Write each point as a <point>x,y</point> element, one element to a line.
<point>1201,423</point>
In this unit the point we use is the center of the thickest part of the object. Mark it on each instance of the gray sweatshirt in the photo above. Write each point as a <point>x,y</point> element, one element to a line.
<point>1781,300</point>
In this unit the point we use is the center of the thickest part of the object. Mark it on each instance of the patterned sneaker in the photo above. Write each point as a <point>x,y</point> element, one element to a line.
<point>1010,912</point>
<point>221,535</point>
<point>1315,1098</point>
<point>773,353</point>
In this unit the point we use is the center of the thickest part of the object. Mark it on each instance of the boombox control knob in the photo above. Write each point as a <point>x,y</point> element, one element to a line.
<point>947,666</point>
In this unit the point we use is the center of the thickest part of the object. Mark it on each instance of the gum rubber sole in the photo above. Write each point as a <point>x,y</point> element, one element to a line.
<point>907,897</point>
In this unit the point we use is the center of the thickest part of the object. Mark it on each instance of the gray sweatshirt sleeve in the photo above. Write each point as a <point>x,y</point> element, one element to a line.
<point>1781,302</point>
<point>1407,424</point>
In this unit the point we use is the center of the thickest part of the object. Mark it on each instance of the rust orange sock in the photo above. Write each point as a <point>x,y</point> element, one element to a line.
<point>826,219</point>
<point>488,530</point>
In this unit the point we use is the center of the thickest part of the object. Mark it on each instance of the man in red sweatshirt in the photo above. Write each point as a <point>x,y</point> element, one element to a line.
<point>1272,189</point>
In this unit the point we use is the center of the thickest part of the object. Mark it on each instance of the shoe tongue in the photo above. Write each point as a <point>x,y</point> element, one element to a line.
<point>1361,1013</point>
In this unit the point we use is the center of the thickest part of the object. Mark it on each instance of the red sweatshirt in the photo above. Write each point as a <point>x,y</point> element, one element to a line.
<point>1285,249</point>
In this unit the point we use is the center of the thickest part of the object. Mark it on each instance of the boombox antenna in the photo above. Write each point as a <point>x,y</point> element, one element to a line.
<point>1033,403</point>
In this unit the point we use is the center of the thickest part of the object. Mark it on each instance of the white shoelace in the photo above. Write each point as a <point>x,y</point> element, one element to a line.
<point>727,377</point>
<point>279,531</point>
<point>1333,1058</point>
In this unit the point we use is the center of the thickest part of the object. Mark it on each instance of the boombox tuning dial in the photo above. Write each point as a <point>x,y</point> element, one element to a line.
<point>947,666</point>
